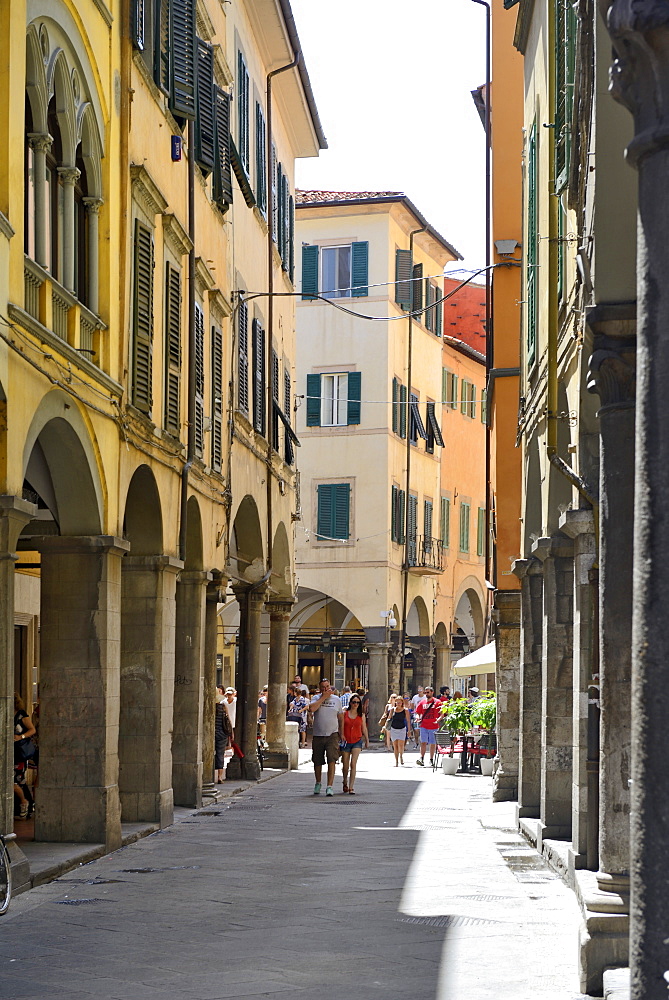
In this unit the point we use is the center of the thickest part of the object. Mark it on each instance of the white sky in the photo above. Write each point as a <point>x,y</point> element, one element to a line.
<point>393,83</point>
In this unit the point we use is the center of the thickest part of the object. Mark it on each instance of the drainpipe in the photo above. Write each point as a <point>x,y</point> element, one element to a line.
<point>190,440</point>
<point>270,300</point>
<point>405,566</point>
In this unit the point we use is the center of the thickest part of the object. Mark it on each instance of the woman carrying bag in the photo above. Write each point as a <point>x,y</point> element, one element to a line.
<point>399,727</point>
<point>24,750</point>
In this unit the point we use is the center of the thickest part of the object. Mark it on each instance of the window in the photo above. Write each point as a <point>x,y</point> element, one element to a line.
<point>427,521</point>
<point>242,95</point>
<point>275,400</point>
<point>287,405</point>
<point>397,511</point>
<point>172,341</point>
<point>217,398</point>
<point>399,415</point>
<point>417,427</point>
<point>199,380</point>
<point>484,406</point>
<point>433,430</point>
<point>258,347</point>
<point>142,318</point>
<point>445,527</point>
<point>412,521</point>
<point>243,358</point>
<point>333,400</point>
<point>334,501</point>
<point>480,532</point>
<point>531,270</point>
<point>453,392</point>
<point>417,292</point>
<point>468,399</point>
<point>222,186</point>
<point>464,527</point>
<point>565,40</point>
<point>344,270</point>
<point>205,123</point>
<point>403,268</point>
<point>164,32</point>
<point>261,158</point>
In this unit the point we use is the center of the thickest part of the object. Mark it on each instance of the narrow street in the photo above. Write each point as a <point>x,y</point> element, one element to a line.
<point>416,887</point>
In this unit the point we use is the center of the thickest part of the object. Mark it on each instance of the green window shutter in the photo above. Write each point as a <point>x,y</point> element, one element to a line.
<point>342,501</point>
<point>464,396</point>
<point>206,113</point>
<point>359,268</point>
<point>445,521</point>
<point>403,410</point>
<point>313,401</point>
<point>183,58</point>
<point>565,40</point>
<point>222,186</point>
<point>412,520</point>
<point>438,313</point>
<point>354,395</point>
<point>427,520</point>
<point>261,158</point>
<point>333,510</point>
<point>309,272</point>
<point>480,532</point>
<point>142,326</point>
<point>199,380</point>
<point>401,514</point>
<point>274,415</point>
<point>531,271</point>
<point>162,72</point>
<point>464,527</point>
<point>484,406</point>
<point>137,23</point>
<point>444,384</point>
<point>472,405</point>
<point>393,513</point>
<point>291,239</point>
<point>403,278</point>
<point>287,407</point>
<point>395,406</point>
<point>172,336</point>
<point>275,197</point>
<point>242,95</point>
<point>417,292</point>
<point>258,346</point>
<point>243,358</point>
<point>279,209</point>
<point>325,511</point>
<point>454,392</point>
<point>286,223</point>
<point>428,305</point>
<point>217,399</point>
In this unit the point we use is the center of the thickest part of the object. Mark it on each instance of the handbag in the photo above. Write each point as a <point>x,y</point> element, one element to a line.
<point>24,750</point>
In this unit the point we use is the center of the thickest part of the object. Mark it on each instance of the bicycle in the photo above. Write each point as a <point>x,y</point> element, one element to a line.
<point>5,872</point>
<point>260,749</point>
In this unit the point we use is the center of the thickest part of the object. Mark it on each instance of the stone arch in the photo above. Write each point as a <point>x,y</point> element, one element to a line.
<point>532,521</point>
<point>470,612</point>
<point>36,87</point>
<point>246,544</point>
<point>91,150</point>
<point>418,619</point>
<point>194,544</point>
<point>559,488</point>
<point>281,583</point>
<point>441,636</point>
<point>60,89</point>
<point>143,522</point>
<point>60,464</point>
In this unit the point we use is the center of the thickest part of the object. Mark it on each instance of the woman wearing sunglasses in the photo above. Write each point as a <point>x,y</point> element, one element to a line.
<point>399,725</point>
<point>355,733</point>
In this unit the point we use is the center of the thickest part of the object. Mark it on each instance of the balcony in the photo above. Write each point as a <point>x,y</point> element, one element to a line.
<point>53,307</point>
<point>425,556</point>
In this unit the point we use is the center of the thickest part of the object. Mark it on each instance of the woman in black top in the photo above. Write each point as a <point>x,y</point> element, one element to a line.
<point>23,730</point>
<point>399,724</point>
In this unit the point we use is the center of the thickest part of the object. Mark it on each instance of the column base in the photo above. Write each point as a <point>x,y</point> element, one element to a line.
<point>20,867</point>
<point>250,769</point>
<point>148,807</point>
<point>604,932</point>
<point>233,770</point>
<point>278,757</point>
<point>504,786</point>
<point>84,814</point>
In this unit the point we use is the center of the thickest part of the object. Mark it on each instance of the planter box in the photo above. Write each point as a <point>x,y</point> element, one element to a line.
<point>450,765</point>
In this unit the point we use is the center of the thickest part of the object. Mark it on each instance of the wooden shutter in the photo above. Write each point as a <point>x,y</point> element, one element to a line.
<point>291,239</point>
<point>275,396</point>
<point>325,508</point>
<point>142,338</point>
<point>445,521</point>
<point>333,510</point>
<point>261,160</point>
<point>394,507</point>
<point>205,121</point>
<point>309,272</point>
<point>395,406</point>
<point>138,23</point>
<point>162,69</point>
<point>342,500</point>
<point>484,406</point>
<point>359,268</point>
<point>258,347</point>
<point>199,380</point>
<point>454,392</point>
<point>243,358</point>
<point>464,396</point>
<point>172,336</point>
<point>403,278</point>
<point>531,275</point>
<point>275,197</point>
<point>183,62</point>
<point>417,291</point>
<point>222,188</point>
<point>412,520</point>
<point>444,384</point>
<point>403,411</point>
<point>401,513</point>
<point>464,527</point>
<point>438,312</point>
<point>565,39</point>
<point>427,520</point>
<point>313,401</point>
<point>480,532</point>
<point>216,399</point>
<point>285,206</point>
<point>472,401</point>
<point>287,406</point>
<point>428,305</point>
<point>279,208</point>
<point>354,395</point>
<point>243,111</point>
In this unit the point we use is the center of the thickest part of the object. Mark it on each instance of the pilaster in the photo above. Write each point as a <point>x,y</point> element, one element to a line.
<point>279,633</point>
<point>506,611</point>
<point>251,602</point>
<point>187,739</point>
<point>378,684</point>
<point>530,574</point>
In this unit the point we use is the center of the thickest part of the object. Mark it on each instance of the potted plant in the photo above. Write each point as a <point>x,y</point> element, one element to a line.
<point>455,720</point>
<point>484,715</point>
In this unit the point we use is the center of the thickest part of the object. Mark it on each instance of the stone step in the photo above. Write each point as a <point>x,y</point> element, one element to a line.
<point>617,984</point>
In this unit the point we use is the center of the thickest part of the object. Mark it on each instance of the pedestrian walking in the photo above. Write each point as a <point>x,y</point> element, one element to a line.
<point>384,721</point>
<point>328,731</point>
<point>262,713</point>
<point>230,705</point>
<point>427,712</point>
<point>345,696</point>
<point>355,734</point>
<point>222,736</point>
<point>399,727</point>
<point>297,712</point>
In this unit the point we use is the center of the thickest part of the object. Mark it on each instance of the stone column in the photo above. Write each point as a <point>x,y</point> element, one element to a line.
<point>442,664</point>
<point>424,660</point>
<point>279,625</point>
<point>640,75</point>
<point>378,684</point>
<point>148,613</point>
<point>248,681</point>
<point>580,526</point>
<point>506,612</point>
<point>41,144</point>
<point>530,574</point>
<point>80,661</point>
<point>93,206</point>
<point>394,662</point>
<point>14,515</point>
<point>557,554</point>
<point>214,596</point>
<point>69,177</point>
<point>189,688</point>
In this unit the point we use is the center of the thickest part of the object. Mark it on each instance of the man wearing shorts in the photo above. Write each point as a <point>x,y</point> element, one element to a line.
<point>327,733</point>
<point>428,712</point>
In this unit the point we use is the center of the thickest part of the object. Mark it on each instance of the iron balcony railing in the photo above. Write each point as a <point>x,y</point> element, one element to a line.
<point>426,553</point>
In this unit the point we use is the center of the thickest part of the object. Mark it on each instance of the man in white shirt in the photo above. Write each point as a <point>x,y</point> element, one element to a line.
<point>230,705</point>
<point>327,734</point>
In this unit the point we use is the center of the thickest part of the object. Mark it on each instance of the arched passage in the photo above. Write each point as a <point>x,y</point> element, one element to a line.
<point>418,619</point>
<point>246,545</point>
<point>470,613</point>
<point>142,524</point>
<point>281,582</point>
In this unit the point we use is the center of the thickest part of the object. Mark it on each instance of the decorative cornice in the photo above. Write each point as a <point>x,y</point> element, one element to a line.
<point>145,190</point>
<point>204,279</point>
<point>176,236</point>
<point>6,227</point>
<point>220,306</point>
<point>107,15</point>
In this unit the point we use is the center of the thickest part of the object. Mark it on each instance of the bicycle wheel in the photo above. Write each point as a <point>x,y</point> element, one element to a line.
<point>5,879</point>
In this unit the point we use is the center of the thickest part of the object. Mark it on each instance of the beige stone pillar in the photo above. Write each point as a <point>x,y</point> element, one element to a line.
<point>189,688</point>
<point>69,177</point>
<point>424,660</point>
<point>506,612</point>
<point>148,617</point>
<point>442,657</point>
<point>93,206</point>
<point>394,661</point>
<point>215,596</point>
<point>41,144</point>
<point>248,679</point>
<point>378,684</point>
<point>80,658</point>
<point>530,574</point>
<point>279,625</point>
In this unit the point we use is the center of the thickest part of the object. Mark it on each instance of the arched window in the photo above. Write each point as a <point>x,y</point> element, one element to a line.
<point>29,183</point>
<point>81,234</point>
<point>54,199</point>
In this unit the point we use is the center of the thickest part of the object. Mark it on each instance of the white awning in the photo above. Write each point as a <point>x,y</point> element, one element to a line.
<point>481,661</point>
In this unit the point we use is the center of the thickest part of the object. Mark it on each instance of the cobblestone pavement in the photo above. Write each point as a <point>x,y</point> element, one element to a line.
<point>417,886</point>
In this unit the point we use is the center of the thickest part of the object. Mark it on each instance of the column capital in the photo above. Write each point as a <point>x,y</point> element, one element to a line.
<point>40,142</point>
<point>15,513</point>
<point>577,522</point>
<point>69,175</point>
<point>279,610</point>
<point>256,597</point>
<point>380,646</point>
<point>161,563</point>
<point>93,205</point>
<point>217,587</point>
<point>612,366</point>
<point>639,30</point>
<point>526,567</point>
<point>194,576</point>
<point>66,544</point>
